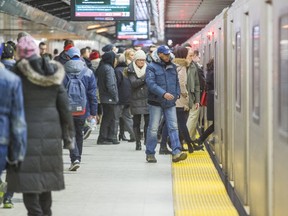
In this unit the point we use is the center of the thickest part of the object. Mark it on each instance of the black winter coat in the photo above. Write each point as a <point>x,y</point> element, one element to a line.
<point>49,121</point>
<point>123,84</point>
<point>106,79</point>
<point>139,97</point>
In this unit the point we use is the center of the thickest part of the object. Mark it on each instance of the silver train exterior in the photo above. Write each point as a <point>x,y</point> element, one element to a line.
<point>249,43</point>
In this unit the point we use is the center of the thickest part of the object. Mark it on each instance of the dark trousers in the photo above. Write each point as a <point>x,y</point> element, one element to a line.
<point>207,132</point>
<point>76,153</point>
<point>137,124</point>
<point>38,204</point>
<point>182,117</point>
<point>110,122</point>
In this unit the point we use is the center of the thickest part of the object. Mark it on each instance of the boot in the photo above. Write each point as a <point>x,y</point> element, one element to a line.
<point>138,146</point>
<point>138,138</point>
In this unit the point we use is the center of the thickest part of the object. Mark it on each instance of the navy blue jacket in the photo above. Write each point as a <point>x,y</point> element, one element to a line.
<point>12,117</point>
<point>162,78</point>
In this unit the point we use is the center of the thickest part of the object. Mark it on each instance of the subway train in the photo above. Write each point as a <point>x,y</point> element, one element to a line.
<point>249,44</point>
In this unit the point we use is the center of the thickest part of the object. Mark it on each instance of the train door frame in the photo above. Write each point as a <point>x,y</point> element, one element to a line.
<point>280,130</point>
<point>240,126</point>
<point>259,103</point>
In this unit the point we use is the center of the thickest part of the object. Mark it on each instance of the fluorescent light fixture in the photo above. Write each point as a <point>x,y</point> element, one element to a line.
<point>101,30</point>
<point>93,26</point>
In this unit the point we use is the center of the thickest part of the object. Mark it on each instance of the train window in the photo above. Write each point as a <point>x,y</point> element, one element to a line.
<point>283,76</point>
<point>238,71</point>
<point>256,74</point>
<point>216,70</point>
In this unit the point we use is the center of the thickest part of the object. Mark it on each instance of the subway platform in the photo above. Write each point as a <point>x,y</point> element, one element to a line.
<point>113,180</point>
<point>116,180</point>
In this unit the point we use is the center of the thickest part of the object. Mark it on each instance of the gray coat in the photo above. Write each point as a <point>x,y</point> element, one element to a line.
<point>49,121</point>
<point>139,96</point>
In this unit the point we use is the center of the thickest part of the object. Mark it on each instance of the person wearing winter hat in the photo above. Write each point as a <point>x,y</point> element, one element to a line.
<point>49,121</point>
<point>136,73</point>
<point>7,57</point>
<point>110,47</point>
<point>27,47</point>
<point>22,34</point>
<point>76,67</point>
<point>163,91</point>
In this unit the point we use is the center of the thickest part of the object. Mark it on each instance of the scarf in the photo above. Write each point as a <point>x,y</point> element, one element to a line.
<point>140,72</point>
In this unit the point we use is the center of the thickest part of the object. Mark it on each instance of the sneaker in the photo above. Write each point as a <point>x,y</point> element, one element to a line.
<point>151,158</point>
<point>179,157</point>
<point>8,203</point>
<point>87,131</point>
<point>3,189</point>
<point>74,166</point>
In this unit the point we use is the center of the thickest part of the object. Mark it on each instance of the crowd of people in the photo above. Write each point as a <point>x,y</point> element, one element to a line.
<point>47,100</point>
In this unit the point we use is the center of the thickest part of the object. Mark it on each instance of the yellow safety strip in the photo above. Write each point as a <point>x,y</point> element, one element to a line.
<point>198,189</point>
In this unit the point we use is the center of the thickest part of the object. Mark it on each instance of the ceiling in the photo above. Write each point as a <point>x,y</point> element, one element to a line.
<point>177,20</point>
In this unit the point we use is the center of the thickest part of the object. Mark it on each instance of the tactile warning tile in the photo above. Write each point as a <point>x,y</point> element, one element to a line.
<point>198,189</point>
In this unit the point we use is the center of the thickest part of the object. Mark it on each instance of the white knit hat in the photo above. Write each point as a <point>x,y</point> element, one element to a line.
<point>140,54</point>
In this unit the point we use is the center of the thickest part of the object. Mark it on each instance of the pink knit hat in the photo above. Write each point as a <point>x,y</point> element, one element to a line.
<point>27,47</point>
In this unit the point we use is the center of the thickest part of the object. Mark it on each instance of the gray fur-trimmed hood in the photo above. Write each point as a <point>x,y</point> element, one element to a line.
<point>41,79</point>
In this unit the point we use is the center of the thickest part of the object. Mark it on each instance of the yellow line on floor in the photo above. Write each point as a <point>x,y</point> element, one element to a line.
<point>198,189</point>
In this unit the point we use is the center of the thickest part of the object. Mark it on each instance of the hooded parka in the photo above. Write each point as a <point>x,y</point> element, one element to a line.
<point>49,121</point>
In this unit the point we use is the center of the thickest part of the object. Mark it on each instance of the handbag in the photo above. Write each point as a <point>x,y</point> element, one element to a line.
<point>203,101</point>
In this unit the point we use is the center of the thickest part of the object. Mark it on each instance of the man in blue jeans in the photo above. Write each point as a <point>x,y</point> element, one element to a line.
<point>13,133</point>
<point>163,91</point>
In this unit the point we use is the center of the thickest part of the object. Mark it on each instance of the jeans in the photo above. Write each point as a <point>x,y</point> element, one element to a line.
<point>181,120</point>
<point>75,154</point>
<point>38,204</point>
<point>171,123</point>
<point>3,154</point>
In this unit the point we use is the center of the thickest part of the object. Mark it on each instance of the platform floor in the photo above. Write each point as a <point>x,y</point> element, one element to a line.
<point>116,180</point>
<point>113,180</point>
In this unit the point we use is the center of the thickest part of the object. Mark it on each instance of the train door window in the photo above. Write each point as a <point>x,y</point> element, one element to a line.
<point>238,71</point>
<point>216,75</point>
<point>283,76</point>
<point>256,74</point>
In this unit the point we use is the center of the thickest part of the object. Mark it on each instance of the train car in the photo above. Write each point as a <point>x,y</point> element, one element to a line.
<point>278,152</point>
<point>249,43</point>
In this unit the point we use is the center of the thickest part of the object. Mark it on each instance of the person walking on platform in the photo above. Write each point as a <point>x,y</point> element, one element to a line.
<point>81,87</point>
<point>124,93</point>
<point>210,102</point>
<point>182,61</point>
<point>108,93</point>
<point>163,91</point>
<point>13,133</point>
<point>49,122</point>
<point>136,72</point>
<point>193,88</point>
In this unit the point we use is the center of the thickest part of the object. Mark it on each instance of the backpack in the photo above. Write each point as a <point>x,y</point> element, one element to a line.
<point>76,93</point>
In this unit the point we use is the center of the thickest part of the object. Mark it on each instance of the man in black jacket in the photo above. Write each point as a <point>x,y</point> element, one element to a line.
<point>108,93</point>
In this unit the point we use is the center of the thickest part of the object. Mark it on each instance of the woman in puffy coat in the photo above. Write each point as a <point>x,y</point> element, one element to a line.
<point>49,121</point>
<point>136,73</point>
